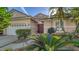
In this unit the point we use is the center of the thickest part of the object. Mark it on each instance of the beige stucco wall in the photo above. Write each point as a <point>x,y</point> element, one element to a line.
<point>34,27</point>
<point>69,26</point>
<point>21,21</point>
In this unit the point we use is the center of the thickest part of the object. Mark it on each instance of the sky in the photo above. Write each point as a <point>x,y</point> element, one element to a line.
<point>31,10</point>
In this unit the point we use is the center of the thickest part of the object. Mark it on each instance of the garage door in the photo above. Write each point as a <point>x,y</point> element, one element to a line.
<point>12,30</point>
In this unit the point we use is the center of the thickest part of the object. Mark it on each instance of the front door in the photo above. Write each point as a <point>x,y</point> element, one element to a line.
<point>40,28</point>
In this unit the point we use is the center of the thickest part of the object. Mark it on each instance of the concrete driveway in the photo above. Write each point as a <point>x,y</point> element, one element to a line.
<point>9,42</point>
<point>5,40</point>
<point>15,46</point>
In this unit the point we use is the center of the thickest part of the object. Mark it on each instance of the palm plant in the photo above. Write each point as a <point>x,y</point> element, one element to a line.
<point>42,43</point>
<point>59,13</point>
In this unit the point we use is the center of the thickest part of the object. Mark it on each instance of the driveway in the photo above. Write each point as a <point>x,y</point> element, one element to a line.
<point>5,40</point>
<point>15,46</point>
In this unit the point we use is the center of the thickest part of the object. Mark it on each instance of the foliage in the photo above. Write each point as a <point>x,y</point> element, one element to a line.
<point>32,36</point>
<point>51,30</point>
<point>8,49</point>
<point>5,18</point>
<point>23,33</point>
<point>75,15</point>
<point>60,13</point>
<point>77,30</point>
<point>76,43</point>
<point>45,44</point>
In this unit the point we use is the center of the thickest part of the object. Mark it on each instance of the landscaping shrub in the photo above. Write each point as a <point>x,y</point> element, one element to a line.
<point>77,33</point>
<point>33,37</point>
<point>77,30</point>
<point>8,49</point>
<point>23,33</point>
<point>76,43</point>
<point>42,43</point>
<point>51,30</point>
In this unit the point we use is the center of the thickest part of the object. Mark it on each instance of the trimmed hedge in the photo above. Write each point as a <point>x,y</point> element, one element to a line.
<point>23,33</point>
<point>8,49</point>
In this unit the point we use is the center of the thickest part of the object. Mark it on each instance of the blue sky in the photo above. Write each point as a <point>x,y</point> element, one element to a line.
<point>31,10</point>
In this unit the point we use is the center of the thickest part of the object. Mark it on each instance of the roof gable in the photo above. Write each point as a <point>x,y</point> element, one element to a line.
<point>16,13</point>
<point>40,15</point>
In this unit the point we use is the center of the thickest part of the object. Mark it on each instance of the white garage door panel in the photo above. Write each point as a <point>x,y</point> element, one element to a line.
<point>12,30</point>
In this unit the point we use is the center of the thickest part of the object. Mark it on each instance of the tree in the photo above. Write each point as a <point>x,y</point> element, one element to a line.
<point>5,18</point>
<point>59,13</point>
<point>75,15</point>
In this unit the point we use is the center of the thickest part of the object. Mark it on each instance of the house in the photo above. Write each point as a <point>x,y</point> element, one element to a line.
<point>19,21</point>
<point>40,23</point>
<point>47,23</point>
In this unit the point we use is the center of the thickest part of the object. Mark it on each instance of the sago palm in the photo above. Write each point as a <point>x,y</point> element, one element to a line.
<point>43,43</point>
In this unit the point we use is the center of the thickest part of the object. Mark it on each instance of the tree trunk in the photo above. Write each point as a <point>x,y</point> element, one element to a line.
<point>77,27</point>
<point>51,23</point>
<point>62,25</point>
